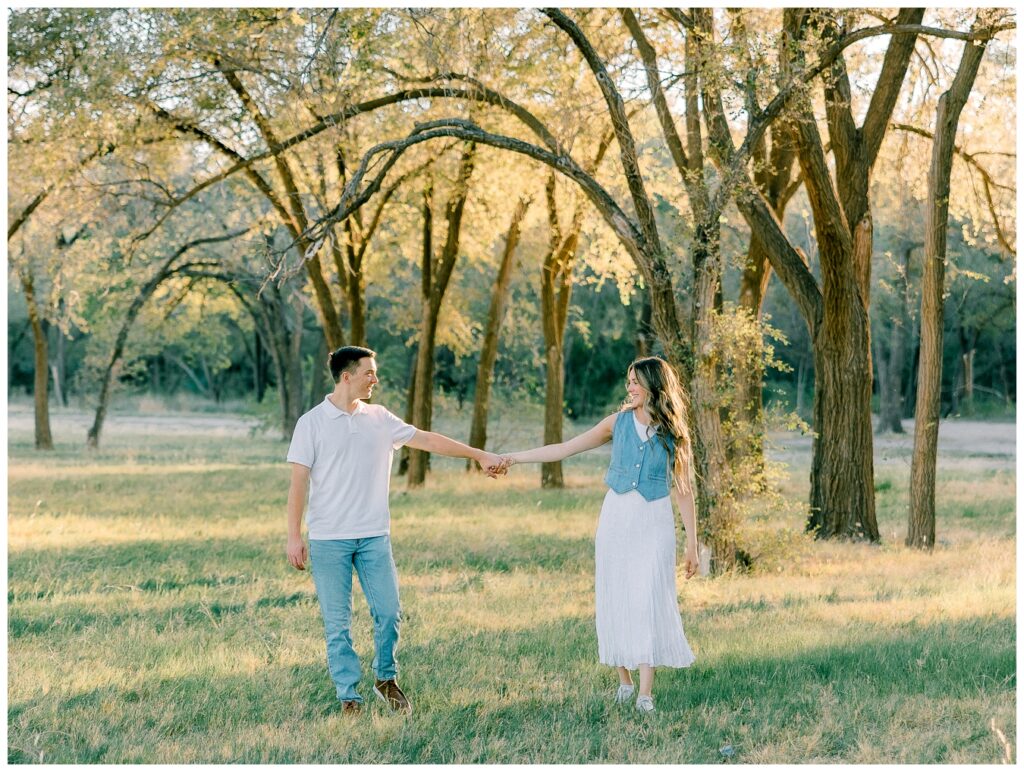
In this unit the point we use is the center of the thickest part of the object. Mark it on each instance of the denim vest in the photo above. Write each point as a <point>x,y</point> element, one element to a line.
<point>636,465</point>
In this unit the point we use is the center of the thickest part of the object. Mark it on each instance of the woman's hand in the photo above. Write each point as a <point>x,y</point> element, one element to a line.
<point>491,463</point>
<point>692,564</point>
<point>501,466</point>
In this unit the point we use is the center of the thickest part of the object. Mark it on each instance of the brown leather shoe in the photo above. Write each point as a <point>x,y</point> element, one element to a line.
<point>351,707</point>
<point>393,696</point>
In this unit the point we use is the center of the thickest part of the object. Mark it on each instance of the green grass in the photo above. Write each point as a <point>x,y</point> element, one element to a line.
<point>152,617</point>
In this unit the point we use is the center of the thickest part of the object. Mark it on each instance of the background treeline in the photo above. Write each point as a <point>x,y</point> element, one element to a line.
<point>223,360</point>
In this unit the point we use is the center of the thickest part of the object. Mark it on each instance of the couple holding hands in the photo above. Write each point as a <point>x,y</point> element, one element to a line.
<point>342,451</point>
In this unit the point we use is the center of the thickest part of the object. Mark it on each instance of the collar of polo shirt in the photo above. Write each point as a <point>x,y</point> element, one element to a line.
<point>333,411</point>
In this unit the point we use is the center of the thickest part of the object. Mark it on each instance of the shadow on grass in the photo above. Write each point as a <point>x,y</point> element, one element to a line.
<point>538,695</point>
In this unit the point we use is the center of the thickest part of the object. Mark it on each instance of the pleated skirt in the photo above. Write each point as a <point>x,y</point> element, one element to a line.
<point>638,618</point>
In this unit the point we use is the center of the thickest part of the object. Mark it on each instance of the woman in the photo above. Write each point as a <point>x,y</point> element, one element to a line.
<point>638,624</point>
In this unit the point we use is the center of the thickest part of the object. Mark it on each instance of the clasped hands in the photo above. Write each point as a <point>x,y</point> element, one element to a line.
<point>495,465</point>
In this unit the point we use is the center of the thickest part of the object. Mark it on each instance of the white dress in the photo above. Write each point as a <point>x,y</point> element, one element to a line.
<point>635,583</point>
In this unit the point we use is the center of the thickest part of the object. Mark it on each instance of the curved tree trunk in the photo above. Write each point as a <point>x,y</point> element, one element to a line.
<point>492,334</point>
<point>163,272</point>
<point>921,523</point>
<point>93,437</point>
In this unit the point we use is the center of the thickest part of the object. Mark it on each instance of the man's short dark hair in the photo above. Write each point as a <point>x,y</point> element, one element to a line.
<point>346,358</point>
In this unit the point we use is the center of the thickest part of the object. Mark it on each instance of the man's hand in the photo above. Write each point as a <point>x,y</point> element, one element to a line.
<point>692,563</point>
<point>297,553</point>
<point>491,463</point>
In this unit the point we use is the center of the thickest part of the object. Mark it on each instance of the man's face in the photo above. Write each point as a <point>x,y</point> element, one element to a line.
<point>364,378</point>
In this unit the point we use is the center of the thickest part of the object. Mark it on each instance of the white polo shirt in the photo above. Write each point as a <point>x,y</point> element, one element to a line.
<point>349,456</point>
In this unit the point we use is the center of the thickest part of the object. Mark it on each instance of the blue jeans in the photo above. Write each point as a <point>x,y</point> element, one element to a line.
<point>332,562</point>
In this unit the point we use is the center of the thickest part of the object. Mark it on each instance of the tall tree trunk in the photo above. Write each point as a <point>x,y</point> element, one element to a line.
<point>410,401</point>
<point>59,366</point>
<point>967,349</point>
<point>921,523</point>
<point>492,333</point>
<point>259,369</point>
<point>436,277</point>
<point>714,495</point>
<point>842,467</point>
<point>40,391</point>
<point>891,380</point>
<point>318,378</point>
<point>423,397</point>
<point>644,332</point>
<point>750,381</point>
<point>555,295</point>
<point>357,312</point>
<point>801,383</point>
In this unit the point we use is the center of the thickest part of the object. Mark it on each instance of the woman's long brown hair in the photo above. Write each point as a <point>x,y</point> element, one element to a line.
<point>667,405</point>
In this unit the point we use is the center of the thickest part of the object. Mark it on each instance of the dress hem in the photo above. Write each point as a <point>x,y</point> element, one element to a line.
<point>636,665</point>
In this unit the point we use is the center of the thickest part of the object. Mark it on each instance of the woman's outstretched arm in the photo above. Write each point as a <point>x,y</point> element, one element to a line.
<point>592,438</point>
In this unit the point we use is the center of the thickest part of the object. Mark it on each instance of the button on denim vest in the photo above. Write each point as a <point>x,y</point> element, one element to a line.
<point>637,466</point>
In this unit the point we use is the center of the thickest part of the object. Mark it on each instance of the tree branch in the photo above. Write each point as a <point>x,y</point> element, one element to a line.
<point>986,179</point>
<point>353,197</point>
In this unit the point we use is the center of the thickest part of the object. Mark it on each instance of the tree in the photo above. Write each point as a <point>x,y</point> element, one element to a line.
<point>165,270</point>
<point>921,524</point>
<point>492,331</point>
<point>556,282</point>
<point>436,272</point>
<point>842,492</point>
<point>890,365</point>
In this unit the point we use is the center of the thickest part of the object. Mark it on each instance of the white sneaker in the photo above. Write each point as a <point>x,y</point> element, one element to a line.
<point>645,704</point>
<point>623,694</point>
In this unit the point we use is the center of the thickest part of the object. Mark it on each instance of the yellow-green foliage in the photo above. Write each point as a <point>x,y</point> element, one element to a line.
<point>153,618</point>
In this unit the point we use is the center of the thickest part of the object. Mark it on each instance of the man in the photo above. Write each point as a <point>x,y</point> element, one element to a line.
<point>343,449</point>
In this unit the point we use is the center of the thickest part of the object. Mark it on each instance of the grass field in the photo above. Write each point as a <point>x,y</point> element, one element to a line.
<point>152,617</point>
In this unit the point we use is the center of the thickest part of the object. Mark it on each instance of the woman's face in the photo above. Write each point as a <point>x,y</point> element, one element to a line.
<point>637,393</point>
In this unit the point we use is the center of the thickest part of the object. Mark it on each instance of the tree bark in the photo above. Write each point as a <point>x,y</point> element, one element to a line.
<point>492,333</point>
<point>842,466</point>
<point>921,523</point>
<point>40,391</point>
<point>435,284</point>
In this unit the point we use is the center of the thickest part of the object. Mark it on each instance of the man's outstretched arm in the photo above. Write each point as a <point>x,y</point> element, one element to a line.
<point>432,442</point>
<point>297,553</point>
